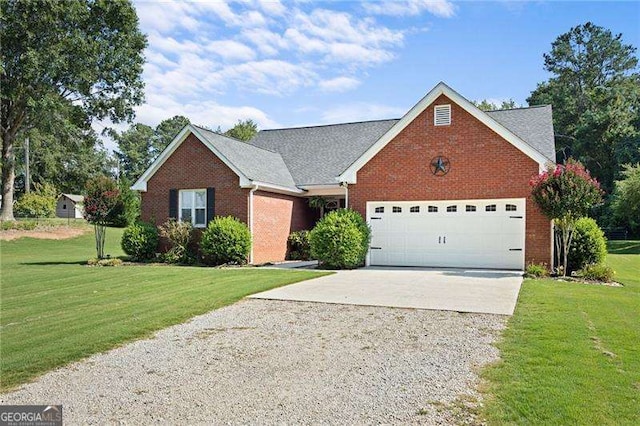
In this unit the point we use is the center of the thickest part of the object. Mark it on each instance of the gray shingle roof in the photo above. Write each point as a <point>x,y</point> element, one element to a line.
<point>255,163</point>
<point>534,125</point>
<point>317,155</point>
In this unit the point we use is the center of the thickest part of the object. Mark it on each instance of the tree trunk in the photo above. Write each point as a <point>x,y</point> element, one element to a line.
<point>100,231</point>
<point>8,176</point>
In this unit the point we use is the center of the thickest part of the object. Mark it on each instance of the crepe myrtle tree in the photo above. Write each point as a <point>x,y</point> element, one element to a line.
<point>102,206</point>
<point>565,193</point>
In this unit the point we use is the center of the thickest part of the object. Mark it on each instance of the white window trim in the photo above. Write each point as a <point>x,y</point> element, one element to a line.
<point>193,206</point>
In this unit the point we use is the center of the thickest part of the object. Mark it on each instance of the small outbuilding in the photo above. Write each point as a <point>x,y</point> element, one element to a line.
<point>70,206</point>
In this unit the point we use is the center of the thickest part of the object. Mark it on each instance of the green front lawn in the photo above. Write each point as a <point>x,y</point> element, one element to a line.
<point>54,309</point>
<point>571,352</point>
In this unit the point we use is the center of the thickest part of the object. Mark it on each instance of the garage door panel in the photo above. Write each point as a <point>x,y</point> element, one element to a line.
<point>463,238</point>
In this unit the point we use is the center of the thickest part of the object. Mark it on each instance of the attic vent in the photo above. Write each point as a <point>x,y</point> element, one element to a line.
<point>442,115</point>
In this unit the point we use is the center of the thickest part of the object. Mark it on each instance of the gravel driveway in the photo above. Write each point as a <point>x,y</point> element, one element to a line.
<point>266,362</point>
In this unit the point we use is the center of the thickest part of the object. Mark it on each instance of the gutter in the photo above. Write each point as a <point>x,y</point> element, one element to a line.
<point>253,189</point>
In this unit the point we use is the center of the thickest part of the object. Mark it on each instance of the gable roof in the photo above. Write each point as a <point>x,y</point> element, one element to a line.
<point>349,175</point>
<point>252,164</point>
<point>74,197</point>
<point>317,155</point>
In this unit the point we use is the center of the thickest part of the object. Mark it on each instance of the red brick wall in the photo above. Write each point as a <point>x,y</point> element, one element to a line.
<point>275,216</point>
<point>483,165</point>
<point>193,166</point>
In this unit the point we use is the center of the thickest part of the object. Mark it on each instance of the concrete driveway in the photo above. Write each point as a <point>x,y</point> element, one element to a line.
<point>477,291</point>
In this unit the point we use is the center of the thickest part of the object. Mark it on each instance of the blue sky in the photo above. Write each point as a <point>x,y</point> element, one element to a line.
<point>303,62</point>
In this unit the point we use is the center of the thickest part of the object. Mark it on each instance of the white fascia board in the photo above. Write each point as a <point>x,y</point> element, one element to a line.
<point>141,183</point>
<point>269,187</point>
<point>350,174</point>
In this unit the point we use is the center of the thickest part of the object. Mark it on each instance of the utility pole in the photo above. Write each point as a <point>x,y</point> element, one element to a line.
<point>27,176</point>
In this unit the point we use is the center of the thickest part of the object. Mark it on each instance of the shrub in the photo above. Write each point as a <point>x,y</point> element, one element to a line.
<point>536,270</point>
<point>39,203</point>
<point>226,241</point>
<point>299,246</point>
<point>626,198</point>
<point>140,241</point>
<point>588,246</point>
<point>22,225</point>
<point>179,236</point>
<point>340,239</point>
<point>599,272</point>
<point>130,201</point>
<point>114,261</point>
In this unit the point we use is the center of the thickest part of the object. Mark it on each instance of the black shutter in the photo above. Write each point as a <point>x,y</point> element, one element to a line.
<point>173,204</point>
<point>211,204</point>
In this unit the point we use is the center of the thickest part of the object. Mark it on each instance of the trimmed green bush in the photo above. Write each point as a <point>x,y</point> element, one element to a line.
<point>226,241</point>
<point>536,270</point>
<point>340,239</point>
<point>589,245</point>
<point>179,235</point>
<point>599,272</point>
<point>140,241</point>
<point>299,246</point>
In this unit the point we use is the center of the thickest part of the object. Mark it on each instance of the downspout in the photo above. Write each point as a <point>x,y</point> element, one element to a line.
<point>253,189</point>
<point>345,185</point>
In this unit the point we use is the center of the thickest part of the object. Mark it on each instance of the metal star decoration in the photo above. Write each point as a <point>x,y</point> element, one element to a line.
<point>440,166</point>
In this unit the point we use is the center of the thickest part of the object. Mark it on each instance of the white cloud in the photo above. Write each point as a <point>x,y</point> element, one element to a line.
<point>231,50</point>
<point>339,84</point>
<point>208,113</point>
<point>339,37</point>
<point>359,111</point>
<point>441,8</point>
<point>267,42</point>
<point>272,7</point>
<point>165,16</point>
<point>274,77</point>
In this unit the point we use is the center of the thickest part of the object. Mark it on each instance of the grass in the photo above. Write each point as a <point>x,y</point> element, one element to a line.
<point>55,310</point>
<point>571,352</point>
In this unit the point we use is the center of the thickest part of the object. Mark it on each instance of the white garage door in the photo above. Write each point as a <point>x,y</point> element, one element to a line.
<point>457,234</point>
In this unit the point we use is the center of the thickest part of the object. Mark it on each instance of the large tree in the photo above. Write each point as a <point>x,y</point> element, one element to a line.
<point>66,62</point>
<point>595,93</point>
<point>140,144</point>
<point>486,105</point>
<point>135,149</point>
<point>167,130</point>
<point>66,165</point>
<point>244,130</point>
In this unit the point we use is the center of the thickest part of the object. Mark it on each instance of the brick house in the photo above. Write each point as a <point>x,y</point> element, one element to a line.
<point>446,185</point>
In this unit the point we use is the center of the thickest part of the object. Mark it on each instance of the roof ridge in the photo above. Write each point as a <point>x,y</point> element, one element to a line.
<point>332,124</point>
<point>527,107</point>
<point>237,140</point>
